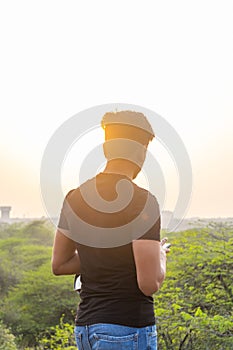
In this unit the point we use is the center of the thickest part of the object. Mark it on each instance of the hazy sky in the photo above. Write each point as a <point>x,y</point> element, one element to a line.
<point>173,57</point>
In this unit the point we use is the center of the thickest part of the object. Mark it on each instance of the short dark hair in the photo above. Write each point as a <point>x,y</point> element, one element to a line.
<point>127,124</point>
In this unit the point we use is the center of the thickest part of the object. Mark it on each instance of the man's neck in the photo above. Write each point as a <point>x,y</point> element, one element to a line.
<point>120,167</point>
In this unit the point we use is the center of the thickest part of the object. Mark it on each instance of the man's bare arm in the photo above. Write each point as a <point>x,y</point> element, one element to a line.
<point>150,261</point>
<point>65,259</point>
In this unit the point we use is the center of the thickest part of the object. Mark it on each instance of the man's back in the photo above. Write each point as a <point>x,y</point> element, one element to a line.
<point>110,292</point>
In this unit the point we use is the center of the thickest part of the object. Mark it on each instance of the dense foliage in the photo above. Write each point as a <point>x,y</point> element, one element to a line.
<point>6,339</point>
<point>193,308</point>
<point>31,299</point>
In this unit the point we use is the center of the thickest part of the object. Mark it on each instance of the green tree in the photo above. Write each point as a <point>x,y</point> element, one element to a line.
<point>59,337</point>
<point>37,303</point>
<point>18,255</point>
<point>194,306</point>
<point>6,339</point>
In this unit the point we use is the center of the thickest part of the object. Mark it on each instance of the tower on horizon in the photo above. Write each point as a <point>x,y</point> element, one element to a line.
<point>5,213</point>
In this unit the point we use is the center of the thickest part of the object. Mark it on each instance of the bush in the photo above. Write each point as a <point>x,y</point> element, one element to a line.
<point>59,337</point>
<point>6,339</point>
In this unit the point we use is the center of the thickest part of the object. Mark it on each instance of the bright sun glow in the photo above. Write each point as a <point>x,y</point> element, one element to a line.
<point>177,62</point>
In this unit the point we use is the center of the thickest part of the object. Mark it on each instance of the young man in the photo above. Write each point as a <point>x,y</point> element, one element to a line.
<point>109,232</point>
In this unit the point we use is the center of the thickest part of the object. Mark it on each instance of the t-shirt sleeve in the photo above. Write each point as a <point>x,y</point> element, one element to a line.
<point>63,224</point>
<point>153,233</point>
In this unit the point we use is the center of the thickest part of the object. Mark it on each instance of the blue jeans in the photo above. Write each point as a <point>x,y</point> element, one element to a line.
<point>104,336</point>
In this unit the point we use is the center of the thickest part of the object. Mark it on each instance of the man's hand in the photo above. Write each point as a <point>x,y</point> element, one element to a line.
<point>163,258</point>
<point>163,241</point>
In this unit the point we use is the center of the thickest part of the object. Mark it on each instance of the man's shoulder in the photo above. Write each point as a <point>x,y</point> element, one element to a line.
<point>76,190</point>
<point>140,194</point>
<point>144,193</point>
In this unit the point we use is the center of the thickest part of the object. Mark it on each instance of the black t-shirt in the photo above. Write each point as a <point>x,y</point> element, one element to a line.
<point>110,293</point>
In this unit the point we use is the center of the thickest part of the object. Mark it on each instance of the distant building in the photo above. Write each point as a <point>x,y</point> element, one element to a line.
<point>5,213</point>
<point>5,216</point>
